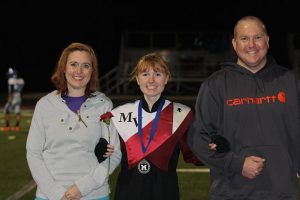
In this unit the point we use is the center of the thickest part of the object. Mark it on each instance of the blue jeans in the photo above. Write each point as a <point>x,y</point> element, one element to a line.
<point>103,198</point>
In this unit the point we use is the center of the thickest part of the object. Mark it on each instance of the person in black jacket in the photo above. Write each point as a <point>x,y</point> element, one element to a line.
<point>253,104</point>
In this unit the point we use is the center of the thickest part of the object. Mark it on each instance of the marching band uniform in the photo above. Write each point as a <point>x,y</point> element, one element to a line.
<point>151,142</point>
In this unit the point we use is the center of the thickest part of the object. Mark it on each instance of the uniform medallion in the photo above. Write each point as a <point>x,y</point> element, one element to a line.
<point>144,166</point>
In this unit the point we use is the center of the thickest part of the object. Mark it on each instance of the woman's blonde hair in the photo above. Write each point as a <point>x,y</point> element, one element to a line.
<point>151,61</point>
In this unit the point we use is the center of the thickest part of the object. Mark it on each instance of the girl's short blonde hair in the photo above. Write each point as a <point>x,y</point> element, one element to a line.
<point>151,61</point>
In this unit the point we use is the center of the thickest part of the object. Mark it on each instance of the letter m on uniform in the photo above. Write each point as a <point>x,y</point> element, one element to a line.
<point>125,118</point>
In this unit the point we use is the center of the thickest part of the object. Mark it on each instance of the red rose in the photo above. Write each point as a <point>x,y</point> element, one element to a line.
<point>106,117</point>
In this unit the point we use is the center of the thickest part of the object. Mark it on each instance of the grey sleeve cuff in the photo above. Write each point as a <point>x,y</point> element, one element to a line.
<point>234,165</point>
<point>92,181</point>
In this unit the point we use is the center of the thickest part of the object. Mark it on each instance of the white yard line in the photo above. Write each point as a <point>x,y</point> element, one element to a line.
<point>193,170</point>
<point>26,188</point>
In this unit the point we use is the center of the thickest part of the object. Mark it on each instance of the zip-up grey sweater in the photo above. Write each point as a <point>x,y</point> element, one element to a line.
<point>60,147</point>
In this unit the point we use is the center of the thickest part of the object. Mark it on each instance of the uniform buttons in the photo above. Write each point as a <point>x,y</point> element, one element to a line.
<point>70,128</point>
<point>85,106</point>
<point>62,120</point>
<point>87,116</point>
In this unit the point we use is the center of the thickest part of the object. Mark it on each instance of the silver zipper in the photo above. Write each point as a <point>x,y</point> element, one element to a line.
<point>80,119</point>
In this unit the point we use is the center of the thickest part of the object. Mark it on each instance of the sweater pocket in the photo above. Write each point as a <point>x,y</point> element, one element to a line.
<point>277,175</point>
<point>277,178</point>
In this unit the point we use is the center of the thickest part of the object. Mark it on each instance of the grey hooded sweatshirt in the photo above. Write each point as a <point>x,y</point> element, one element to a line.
<point>258,113</point>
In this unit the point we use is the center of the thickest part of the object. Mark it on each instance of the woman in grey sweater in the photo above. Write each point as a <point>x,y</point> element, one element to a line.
<point>65,129</point>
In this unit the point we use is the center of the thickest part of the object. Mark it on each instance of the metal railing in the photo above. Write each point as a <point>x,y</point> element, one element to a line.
<point>184,81</point>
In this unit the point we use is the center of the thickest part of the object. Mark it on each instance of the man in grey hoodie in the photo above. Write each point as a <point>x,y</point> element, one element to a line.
<point>252,103</point>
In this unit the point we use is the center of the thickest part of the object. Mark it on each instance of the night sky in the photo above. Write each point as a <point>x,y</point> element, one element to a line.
<point>33,34</point>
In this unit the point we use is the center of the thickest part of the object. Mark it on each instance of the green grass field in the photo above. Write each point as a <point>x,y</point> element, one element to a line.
<point>14,172</point>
